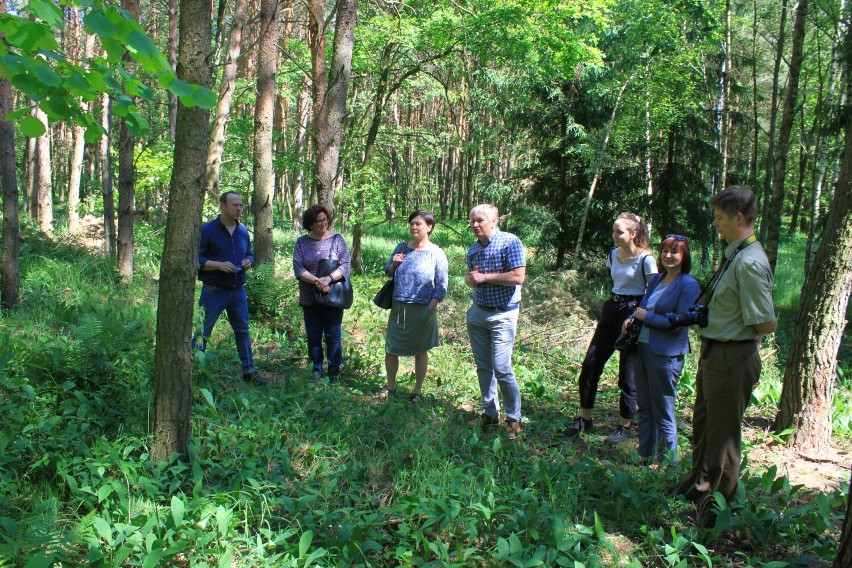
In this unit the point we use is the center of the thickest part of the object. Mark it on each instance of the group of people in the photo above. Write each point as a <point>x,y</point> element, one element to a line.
<point>733,311</point>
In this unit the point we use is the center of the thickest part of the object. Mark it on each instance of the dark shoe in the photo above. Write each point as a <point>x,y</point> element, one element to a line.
<point>414,398</point>
<point>580,424</point>
<point>385,393</point>
<point>513,428</point>
<point>485,421</point>
<point>618,435</point>
<point>332,379</point>
<point>254,379</point>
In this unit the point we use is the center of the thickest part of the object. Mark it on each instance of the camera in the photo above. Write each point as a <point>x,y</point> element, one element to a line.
<point>696,314</point>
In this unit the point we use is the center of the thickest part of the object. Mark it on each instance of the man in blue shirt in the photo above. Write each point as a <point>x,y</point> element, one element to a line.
<point>496,268</point>
<point>223,258</point>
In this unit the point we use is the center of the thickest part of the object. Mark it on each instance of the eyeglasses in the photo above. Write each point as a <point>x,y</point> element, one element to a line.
<point>321,220</point>
<point>675,237</point>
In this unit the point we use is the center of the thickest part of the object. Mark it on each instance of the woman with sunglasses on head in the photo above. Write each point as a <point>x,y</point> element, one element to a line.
<point>320,243</point>
<point>658,361</point>
<point>631,265</point>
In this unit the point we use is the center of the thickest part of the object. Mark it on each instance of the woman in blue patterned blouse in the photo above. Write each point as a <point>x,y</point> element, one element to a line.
<point>420,272</point>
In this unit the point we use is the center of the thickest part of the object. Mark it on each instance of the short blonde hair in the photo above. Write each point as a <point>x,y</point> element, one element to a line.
<point>485,210</point>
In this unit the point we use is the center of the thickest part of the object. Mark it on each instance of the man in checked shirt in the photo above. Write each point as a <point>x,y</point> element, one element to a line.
<point>496,268</point>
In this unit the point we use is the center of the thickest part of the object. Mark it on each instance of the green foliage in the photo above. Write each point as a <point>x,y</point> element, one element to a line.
<point>32,61</point>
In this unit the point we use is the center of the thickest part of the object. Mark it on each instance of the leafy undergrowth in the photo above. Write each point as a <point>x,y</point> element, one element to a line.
<point>292,476</point>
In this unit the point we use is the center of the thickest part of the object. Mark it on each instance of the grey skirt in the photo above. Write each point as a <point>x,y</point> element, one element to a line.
<point>412,329</point>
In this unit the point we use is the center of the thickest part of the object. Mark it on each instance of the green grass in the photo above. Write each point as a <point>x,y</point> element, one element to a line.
<point>292,476</point>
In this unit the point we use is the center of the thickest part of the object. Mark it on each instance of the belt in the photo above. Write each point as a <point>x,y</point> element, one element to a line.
<point>728,342</point>
<point>621,298</point>
<point>509,308</point>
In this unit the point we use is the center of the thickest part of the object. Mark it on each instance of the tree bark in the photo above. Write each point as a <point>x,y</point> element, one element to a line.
<point>776,205</point>
<point>44,184</point>
<point>330,94</point>
<point>179,265</point>
<point>226,97</point>
<point>773,120</point>
<point>264,110</point>
<point>172,55</point>
<point>808,387</point>
<point>11,223</point>
<point>106,177</point>
<point>303,109</point>
<point>126,189</point>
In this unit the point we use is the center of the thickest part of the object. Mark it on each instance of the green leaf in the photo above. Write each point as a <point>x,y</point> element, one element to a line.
<point>96,81</point>
<point>205,98</point>
<point>515,546</point>
<point>209,397</point>
<point>180,88</point>
<point>47,76</point>
<point>225,561</point>
<point>97,23</point>
<point>115,50</point>
<point>47,12</point>
<point>305,542</point>
<point>142,44</point>
<point>93,133</point>
<point>318,553</point>
<point>178,510</point>
<point>16,114</point>
<point>103,529</point>
<point>33,37</point>
<point>223,520</point>
<point>59,107</point>
<point>28,390</point>
<point>13,64</point>
<point>29,86</point>
<point>40,560</point>
<point>153,558</point>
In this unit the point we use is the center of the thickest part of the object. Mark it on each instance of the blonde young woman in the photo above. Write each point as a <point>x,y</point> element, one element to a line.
<point>631,266</point>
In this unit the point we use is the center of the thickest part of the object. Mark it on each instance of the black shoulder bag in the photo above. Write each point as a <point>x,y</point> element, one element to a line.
<point>340,293</point>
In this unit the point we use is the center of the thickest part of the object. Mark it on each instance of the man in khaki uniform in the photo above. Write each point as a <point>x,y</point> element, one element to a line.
<point>740,313</point>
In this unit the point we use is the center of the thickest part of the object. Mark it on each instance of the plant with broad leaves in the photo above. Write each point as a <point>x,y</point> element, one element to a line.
<point>31,59</point>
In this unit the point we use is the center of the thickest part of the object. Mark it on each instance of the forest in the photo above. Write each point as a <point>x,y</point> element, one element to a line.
<point>121,123</point>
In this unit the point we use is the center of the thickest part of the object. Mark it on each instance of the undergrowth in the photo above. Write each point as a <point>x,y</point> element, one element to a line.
<point>292,476</point>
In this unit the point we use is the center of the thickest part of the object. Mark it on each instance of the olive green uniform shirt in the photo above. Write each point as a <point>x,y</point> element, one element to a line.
<point>743,295</point>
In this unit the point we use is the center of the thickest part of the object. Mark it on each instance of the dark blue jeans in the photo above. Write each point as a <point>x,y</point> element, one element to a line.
<point>322,320</point>
<point>214,301</point>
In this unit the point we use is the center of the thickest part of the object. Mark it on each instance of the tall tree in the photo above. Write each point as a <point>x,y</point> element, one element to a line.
<point>126,174</point>
<point>808,387</point>
<point>9,183</point>
<point>330,92</point>
<point>105,166</point>
<point>226,97</point>
<point>179,265</point>
<point>264,109</point>
<point>44,183</point>
<point>776,205</point>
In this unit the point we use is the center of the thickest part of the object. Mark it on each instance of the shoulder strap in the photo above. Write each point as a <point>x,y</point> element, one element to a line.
<point>642,264</point>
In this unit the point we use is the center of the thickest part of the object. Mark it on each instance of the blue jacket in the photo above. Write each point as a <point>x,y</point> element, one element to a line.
<point>220,245</point>
<point>677,298</point>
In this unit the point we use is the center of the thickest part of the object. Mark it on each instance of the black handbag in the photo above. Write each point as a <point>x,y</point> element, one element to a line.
<point>340,293</point>
<point>384,297</point>
<point>626,342</point>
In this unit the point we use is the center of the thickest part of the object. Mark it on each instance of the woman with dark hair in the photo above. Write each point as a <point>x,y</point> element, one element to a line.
<point>630,265</point>
<point>420,272</point>
<point>658,361</point>
<point>320,243</point>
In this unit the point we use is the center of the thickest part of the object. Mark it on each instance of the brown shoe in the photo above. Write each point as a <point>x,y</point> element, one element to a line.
<point>485,421</point>
<point>513,428</point>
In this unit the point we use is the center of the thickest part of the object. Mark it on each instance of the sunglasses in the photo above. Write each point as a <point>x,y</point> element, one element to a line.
<point>675,237</point>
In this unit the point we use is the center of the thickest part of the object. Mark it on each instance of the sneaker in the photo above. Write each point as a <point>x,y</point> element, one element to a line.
<point>485,421</point>
<point>580,424</point>
<point>254,378</point>
<point>618,435</point>
<point>513,428</point>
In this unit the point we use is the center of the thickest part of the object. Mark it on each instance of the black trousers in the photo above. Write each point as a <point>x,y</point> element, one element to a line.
<point>600,350</point>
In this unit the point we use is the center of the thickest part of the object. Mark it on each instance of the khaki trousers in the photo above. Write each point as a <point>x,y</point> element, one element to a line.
<point>727,373</point>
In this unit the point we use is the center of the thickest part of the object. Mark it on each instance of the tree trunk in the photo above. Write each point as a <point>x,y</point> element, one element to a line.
<point>226,97</point>
<point>264,110</point>
<point>172,49</point>
<point>776,205</point>
<point>598,165</point>
<point>126,190</point>
<point>106,177</point>
<point>179,266</point>
<point>808,387</point>
<point>11,224</point>
<point>31,189</point>
<point>44,185</point>
<point>303,108</point>
<point>328,126</point>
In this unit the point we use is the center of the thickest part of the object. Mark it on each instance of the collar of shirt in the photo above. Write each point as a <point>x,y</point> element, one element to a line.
<point>732,248</point>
